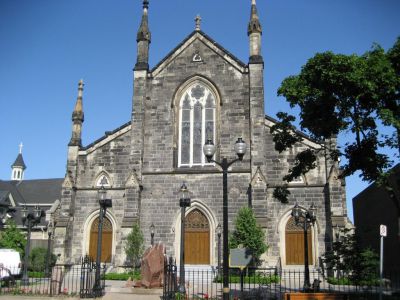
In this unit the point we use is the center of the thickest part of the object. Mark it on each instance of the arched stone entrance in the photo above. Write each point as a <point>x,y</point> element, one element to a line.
<point>197,238</point>
<point>107,236</point>
<point>294,243</point>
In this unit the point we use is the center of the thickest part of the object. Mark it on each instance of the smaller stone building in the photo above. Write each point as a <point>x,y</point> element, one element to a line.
<point>373,207</point>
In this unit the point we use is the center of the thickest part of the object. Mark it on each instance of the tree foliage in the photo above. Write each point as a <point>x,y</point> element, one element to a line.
<point>248,234</point>
<point>13,238</point>
<point>350,94</point>
<point>134,245</point>
<point>346,256</point>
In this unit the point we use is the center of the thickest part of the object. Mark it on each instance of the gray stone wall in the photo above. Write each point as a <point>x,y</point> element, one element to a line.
<point>141,162</point>
<point>160,125</point>
<point>160,201</point>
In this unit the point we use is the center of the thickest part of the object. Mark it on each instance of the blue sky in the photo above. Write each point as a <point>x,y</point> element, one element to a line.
<point>46,46</point>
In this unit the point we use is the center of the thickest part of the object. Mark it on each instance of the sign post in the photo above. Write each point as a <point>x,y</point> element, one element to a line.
<point>383,234</point>
<point>240,258</point>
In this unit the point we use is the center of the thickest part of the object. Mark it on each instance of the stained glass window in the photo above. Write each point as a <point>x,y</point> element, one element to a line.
<point>197,124</point>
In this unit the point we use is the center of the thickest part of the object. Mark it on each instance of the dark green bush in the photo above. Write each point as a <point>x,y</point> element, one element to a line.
<point>123,276</point>
<point>37,259</point>
<point>259,279</point>
<point>33,274</point>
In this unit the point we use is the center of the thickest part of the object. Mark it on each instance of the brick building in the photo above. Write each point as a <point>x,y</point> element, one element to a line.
<point>198,91</point>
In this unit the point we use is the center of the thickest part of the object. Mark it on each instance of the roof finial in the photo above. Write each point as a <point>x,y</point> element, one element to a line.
<point>20,148</point>
<point>80,88</point>
<point>145,4</point>
<point>253,2</point>
<point>198,22</point>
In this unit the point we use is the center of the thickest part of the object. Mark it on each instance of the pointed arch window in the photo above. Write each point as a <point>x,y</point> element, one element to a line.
<point>196,124</point>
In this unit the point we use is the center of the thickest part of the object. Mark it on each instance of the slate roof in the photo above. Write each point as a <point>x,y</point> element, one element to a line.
<point>19,162</point>
<point>43,192</point>
<point>4,195</point>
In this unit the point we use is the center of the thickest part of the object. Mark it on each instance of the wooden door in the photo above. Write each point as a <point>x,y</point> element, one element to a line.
<point>294,236</point>
<point>106,244</point>
<point>197,239</point>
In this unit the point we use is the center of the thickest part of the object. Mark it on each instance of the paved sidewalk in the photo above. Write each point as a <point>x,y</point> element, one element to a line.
<point>109,296</point>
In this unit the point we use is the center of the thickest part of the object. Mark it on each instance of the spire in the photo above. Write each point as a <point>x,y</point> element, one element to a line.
<point>254,31</point>
<point>18,166</point>
<point>254,24</point>
<point>143,39</point>
<point>78,110</point>
<point>77,118</point>
<point>143,33</point>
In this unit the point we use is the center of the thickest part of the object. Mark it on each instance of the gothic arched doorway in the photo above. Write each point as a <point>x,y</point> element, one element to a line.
<point>106,244</point>
<point>197,238</point>
<point>294,240</point>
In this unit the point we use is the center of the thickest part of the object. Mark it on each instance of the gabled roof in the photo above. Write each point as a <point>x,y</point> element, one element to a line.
<point>107,137</point>
<point>269,121</point>
<point>198,34</point>
<point>42,192</point>
<point>30,192</point>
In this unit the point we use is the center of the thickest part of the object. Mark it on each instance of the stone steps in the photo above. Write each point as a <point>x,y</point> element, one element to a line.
<point>199,273</point>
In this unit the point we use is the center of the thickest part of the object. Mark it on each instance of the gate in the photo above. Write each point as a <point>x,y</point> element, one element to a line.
<point>170,278</point>
<point>89,288</point>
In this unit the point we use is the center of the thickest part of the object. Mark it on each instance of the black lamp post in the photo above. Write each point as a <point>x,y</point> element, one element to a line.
<point>308,217</point>
<point>209,151</point>
<point>104,204</point>
<point>184,202</point>
<point>219,247</point>
<point>49,236</point>
<point>152,234</point>
<point>5,210</point>
<point>29,219</point>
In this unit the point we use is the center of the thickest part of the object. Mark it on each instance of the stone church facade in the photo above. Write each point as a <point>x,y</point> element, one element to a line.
<point>199,91</point>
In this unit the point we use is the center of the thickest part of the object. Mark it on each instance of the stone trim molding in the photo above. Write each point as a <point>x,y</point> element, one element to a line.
<point>86,232</point>
<point>280,230</point>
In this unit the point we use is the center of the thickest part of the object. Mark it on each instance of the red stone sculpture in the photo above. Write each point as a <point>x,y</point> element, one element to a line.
<point>152,268</point>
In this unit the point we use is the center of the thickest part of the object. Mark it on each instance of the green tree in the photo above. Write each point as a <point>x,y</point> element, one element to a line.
<point>349,259</point>
<point>248,234</point>
<point>13,238</point>
<point>37,259</point>
<point>134,246</point>
<point>349,94</point>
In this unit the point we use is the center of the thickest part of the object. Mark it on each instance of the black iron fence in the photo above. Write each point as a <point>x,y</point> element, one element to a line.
<point>62,280</point>
<point>272,283</point>
<point>92,280</point>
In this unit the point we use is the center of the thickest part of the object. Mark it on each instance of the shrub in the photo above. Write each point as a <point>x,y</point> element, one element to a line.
<point>248,234</point>
<point>134,244</point>
<point>359,265</point>
<point>123,276</point>
<point>255,279</point>
<point>37,259</point>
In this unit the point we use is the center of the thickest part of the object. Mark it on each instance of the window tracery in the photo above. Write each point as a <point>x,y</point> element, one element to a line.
<point>196,124</point>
